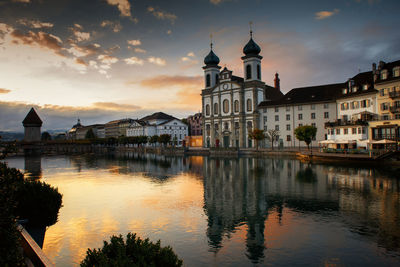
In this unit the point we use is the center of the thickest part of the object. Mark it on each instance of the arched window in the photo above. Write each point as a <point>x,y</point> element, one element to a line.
<point>226,106</point>
<point>249,125</point>
<point>226,126</point>
<point>208,80</point>
<point>216,78</point>
<point>215,108</point>
<point>258,72</point>
<point>248,103</point>
<point>236,104</point>
<point>207,110</point>
<point>248,72</point>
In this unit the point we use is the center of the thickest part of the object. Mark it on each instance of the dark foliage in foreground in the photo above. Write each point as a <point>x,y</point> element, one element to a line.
<point>133,252</point>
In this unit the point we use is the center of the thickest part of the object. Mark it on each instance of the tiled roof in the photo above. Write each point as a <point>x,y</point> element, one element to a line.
<point>32,119</point>
<point>389,67</point>
<point>157,116</point>
<point>303,95</point>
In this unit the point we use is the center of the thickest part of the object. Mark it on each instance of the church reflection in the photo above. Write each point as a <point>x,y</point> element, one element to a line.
<point>247,190</point>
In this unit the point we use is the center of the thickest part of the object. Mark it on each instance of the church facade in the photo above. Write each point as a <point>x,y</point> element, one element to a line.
<point>229,103</point>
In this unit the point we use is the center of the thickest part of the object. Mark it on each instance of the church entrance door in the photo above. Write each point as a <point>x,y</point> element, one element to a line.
<point>226,141</point>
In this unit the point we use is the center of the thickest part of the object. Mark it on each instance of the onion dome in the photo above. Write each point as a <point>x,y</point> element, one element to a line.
<point>78,125</point>
<point>211,58</point>
<point>251,48</point>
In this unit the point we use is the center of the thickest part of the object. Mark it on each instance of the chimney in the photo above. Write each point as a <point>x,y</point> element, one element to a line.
<point>277,82</point>
<point>374,72</point>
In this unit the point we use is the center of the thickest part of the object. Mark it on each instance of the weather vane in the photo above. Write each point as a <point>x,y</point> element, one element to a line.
<point>211,44</point>
<point>251,30</point>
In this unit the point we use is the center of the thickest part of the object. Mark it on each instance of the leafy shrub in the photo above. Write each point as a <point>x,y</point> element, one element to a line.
<point>38,202</point>
<point>9,243</point>
<point>133,252</point>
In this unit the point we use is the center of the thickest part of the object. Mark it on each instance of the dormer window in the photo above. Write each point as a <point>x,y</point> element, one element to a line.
<point>355,88</point>
<point>396,72</point>
<point>383,74</point>
<point>344,91</point>
<point>365,87</point>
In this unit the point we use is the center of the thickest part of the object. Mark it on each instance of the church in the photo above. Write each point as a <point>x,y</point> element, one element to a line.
<point>229,102</point>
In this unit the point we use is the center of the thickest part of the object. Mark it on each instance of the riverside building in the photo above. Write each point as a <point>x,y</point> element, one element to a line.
<point>229,103</point>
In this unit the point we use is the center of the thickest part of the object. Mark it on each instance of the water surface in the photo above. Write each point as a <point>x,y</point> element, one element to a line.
<point>224,212</point>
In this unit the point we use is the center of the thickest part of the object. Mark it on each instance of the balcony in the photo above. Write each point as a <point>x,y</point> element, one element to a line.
<point>395,94</point>
<point>394,109</point>
<point>346,123</point>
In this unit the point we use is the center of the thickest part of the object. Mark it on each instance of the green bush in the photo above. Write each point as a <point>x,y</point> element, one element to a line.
<point>9,243</point>
<point>133,252</point>
<point>38,202</point>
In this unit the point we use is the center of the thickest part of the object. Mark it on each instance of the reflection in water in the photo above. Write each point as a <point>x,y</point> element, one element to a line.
<point>236,211</point>
<point>33,166</point>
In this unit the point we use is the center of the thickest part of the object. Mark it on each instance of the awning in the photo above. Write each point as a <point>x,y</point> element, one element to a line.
<point>346,141</point>
<point>327,142</point>
<point>384,141</point>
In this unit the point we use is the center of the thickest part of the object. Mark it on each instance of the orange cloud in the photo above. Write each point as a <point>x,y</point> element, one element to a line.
<point>115,106</point>
<point>84,50</point>
<point>41,39</point>
<point>326,14</point>
<point>80,61</point>
<point>115,26</point>
<point>159,14</point>
<point>4,91</point>
<point>36,24</point>
<point>123,6</point>
<point>163,81</point>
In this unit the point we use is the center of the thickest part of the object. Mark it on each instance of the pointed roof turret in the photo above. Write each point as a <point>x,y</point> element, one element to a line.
<point>32,119</point>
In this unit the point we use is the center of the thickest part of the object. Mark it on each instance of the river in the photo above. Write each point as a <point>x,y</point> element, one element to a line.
<point>224,211</point>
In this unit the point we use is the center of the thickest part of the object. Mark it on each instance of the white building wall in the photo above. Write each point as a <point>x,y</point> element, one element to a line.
<point>286,125</point>
<point>349,110</point>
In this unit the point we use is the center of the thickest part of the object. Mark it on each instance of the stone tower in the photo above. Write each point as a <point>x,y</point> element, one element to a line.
<point>32,124</point>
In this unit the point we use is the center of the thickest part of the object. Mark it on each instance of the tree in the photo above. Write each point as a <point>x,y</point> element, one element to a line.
<point>257,135</point>
<point>132,252</point>
<point>164,139</point>
<point>90,134</point>
<point>271,135</point>
<point>175,140</point>
<point>46,136</point>
<point>305,133</point>
<point>153,139</point>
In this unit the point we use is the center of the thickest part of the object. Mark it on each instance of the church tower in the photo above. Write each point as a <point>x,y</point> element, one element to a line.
<point>252,60</point>
<point>32,124</point>
<point>211,69</point>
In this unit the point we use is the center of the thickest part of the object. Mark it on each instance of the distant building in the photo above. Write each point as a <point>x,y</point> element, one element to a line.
<point>117,128</point>
<point>71,134</point>
<point>32,124</point>
<point>98,131</point>
<point>195,124</point>
<point>157,124</point>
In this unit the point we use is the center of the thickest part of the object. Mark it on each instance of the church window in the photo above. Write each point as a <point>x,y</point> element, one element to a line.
<point>207,110</point>
<point>226,106</point>
<point>226,126</point>
<point>236,104</point>
<point>249,125</point>
<point>249,104</point>
<point>216,78</point>
<point>258,72</point>
<point>208,80</point>
<point>215,108</point>
<point>248,72</point>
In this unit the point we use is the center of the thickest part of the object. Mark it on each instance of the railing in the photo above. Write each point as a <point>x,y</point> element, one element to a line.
<point>394,94</point>
<point>394,109</point>
<point>346,123</point>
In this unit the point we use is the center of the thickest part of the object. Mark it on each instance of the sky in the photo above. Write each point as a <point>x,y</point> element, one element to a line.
<point>101,60</point>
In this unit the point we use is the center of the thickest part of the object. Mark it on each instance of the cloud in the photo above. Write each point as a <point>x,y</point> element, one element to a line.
<point>41,39</point>
<point>165,81</point>
<point>163,15</point>
<point>217,2</point>
<point>190,57</point>
<point>325,14</point>
<point>123,6</point>
<point>157,60</point>
<point>140,50</point>
<point>169,32</point>
<point>112,49</point>
<point>35,24</point>
<point>21,1</point>
<point>63,117</point>
<point>79,34</point>
<point>107,59</point>
<point>84,50</point>
<point>115,106</point>
<point>134,42</point>
<point>80,61</point>
<point>4,91</point>
<point>134,61</point>
<point>115,26</point>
